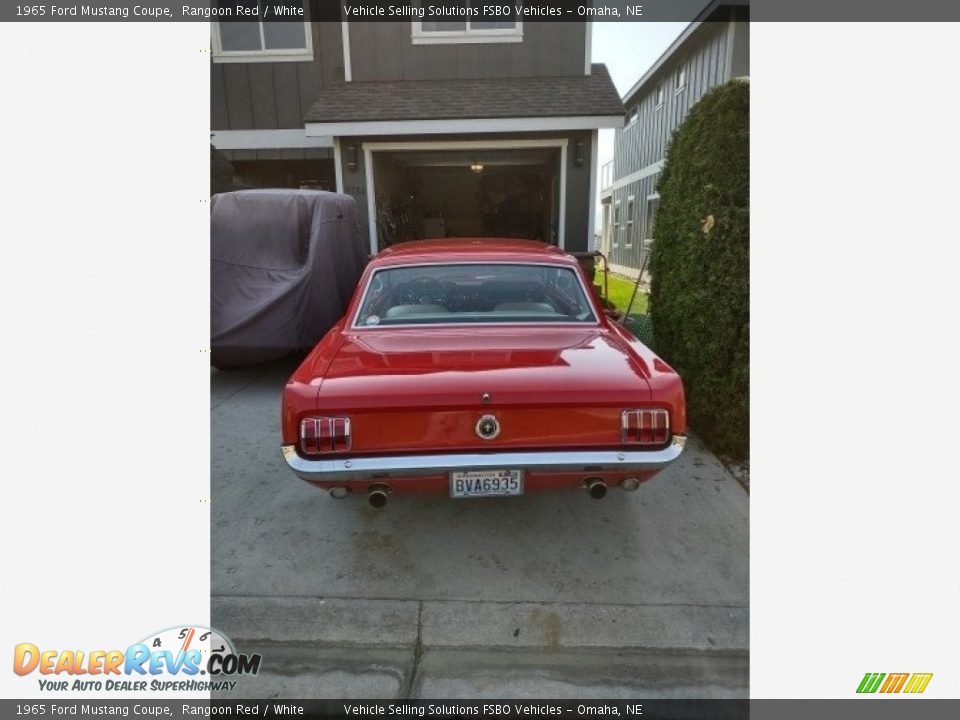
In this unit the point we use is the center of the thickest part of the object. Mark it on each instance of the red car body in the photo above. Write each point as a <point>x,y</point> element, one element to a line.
<point>405,407</point>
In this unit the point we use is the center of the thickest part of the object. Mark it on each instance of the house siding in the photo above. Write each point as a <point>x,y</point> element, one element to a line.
<point>385,52</point>
<point>715,53</point>
<point>277,96</point>
<point>644,141</point>
<point>274,95</point>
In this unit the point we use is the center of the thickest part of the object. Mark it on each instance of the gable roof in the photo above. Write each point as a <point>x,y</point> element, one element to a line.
<point>715,11</point>
<point>489,98</point>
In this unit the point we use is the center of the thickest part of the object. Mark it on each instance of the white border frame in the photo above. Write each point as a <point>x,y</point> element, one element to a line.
<point>418,36</point>
<point>370,148</point>
<point>680,71</point>
<point>594,169</point>
<point>337,164</point>
<point>630,208</point>
<point>268,139</point>
<point>646,219</point>
<point>347,61</point>
<point>219,55</point>
<point>615,224</point>
<point>472,126</point>
<point>588,49</point>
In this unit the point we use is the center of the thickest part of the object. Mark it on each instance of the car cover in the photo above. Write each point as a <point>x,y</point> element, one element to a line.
<point>283,266</point>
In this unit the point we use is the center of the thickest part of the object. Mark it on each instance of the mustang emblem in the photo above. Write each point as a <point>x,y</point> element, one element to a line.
<point>488,427</point>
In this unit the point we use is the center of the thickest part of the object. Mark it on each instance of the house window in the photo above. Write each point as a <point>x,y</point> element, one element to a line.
<point>681,78</point>
<point>629,240</point>
<point>653,204</point>
<point>658,99</point>
<point>260,41</point>
<point>616,222</point>
<point>501,29</point>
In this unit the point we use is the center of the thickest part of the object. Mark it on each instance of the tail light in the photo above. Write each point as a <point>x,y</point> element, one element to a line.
<point>645,427</point>
<point>324,435</point>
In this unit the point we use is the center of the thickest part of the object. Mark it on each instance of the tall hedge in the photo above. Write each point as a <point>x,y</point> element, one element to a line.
<point>700,291</point>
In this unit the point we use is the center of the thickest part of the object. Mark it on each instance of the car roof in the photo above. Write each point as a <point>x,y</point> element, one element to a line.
<point>472,250</point>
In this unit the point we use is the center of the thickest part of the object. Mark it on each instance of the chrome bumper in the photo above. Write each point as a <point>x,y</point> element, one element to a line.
<point>398,466</point>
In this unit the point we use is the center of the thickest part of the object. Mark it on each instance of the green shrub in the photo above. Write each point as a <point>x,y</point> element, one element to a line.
<point>700,289</point>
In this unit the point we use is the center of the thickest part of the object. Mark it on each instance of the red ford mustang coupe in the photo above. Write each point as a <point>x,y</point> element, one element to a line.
<point>479,368</point>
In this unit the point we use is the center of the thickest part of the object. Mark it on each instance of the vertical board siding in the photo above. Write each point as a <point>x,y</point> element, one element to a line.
<point>644,142</point>
<point>247,96</point>
<point>236,80</point>
<point>218,99</point>
<point>285,81</point>
<point>385,51</point>
<point>273,95</point>
<point>264,96</point>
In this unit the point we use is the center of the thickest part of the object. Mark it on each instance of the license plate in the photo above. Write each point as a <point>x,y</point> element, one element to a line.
<point>486,483</point>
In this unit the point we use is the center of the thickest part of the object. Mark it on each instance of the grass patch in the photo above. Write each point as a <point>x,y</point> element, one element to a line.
<point>620,290</point>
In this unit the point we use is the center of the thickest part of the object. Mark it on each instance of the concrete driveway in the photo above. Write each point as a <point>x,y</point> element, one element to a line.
<point>640,594</point>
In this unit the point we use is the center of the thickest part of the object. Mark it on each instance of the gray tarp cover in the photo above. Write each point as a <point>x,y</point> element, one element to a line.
<point>283,266</point>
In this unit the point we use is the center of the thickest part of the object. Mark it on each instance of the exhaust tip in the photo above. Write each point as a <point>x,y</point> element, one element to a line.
<point>630,484</point>
<point>596,487</point>
<point>377,497</point>
<point>339,493</point>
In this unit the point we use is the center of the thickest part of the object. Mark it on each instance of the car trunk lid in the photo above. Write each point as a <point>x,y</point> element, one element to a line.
<point>407,390</point>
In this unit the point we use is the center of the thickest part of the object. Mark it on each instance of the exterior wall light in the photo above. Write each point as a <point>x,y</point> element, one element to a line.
<point>352,159</point>
<point>578,153</point>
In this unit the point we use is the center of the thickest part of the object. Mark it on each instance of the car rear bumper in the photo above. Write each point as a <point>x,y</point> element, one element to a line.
<point>594,462</point>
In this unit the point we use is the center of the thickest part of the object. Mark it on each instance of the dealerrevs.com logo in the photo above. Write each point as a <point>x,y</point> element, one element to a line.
<point>910,683</point>
<point>180,659</point>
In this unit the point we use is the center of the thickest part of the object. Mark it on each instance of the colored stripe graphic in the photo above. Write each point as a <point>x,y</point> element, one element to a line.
<point>894,682</point>
<point>918,682</point>
<point>870,682</point>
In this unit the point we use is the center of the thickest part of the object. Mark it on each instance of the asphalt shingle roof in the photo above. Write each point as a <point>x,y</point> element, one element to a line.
<point>549,96</point>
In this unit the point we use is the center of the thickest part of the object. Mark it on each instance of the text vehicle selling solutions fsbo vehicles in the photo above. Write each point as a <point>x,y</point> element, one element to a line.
<point>478,368</point>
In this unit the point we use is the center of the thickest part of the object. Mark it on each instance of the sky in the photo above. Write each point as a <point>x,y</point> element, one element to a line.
<point>628,49</point>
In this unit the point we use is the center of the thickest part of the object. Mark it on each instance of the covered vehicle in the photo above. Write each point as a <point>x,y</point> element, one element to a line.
<point>283,266</point>
<point>479,368</point>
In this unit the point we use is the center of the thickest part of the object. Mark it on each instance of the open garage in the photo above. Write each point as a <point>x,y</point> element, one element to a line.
<point>485,191</point>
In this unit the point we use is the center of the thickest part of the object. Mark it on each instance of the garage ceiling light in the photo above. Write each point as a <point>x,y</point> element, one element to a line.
<point>476,167</point>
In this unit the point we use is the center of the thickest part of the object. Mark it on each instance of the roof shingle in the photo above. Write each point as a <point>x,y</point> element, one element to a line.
<point>549,96</point>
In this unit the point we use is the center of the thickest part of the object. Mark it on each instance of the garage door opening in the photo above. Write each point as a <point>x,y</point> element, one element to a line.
<point>480,192</point>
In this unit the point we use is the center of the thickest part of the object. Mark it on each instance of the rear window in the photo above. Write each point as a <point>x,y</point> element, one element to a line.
<point>474,293</point>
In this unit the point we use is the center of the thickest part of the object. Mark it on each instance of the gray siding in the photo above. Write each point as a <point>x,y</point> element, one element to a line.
<point>385,51</point>
<point>644,142</point>
<point>626,242</point>
<point>710,60</point>
<point>274,95</point>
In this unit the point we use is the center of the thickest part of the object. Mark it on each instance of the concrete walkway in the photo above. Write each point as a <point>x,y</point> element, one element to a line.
<point>641,594</point>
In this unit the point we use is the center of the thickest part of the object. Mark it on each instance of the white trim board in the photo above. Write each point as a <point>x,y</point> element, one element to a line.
<point>219,55</point>
<point>418,36</point>
<point>466,125</point>
<point>345,38</point>
<point>467,144</point>
<point>588,48</point>
<point>649,170</point>
<point>268,139</point>
<point>338,165</point>
<point>372,147</point>
<point>371,199</point>
<point>594,165</point>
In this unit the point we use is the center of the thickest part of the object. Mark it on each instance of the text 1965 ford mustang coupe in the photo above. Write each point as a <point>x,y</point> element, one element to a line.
<point>479,368</point>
